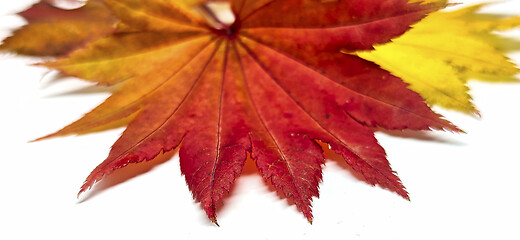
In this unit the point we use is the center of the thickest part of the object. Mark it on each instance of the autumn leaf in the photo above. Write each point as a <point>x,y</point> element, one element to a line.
<point>269,85</point>
<point>443,51</point>
<point>59,31</point>
<point>53,31</point>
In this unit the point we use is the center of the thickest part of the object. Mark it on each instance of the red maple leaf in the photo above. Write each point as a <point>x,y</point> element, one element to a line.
<point>272,84</point>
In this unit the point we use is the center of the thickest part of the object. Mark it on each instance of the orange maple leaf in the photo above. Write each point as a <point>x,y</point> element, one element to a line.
<point>272,84</point>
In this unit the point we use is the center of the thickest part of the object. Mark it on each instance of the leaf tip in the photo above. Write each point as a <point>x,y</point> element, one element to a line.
<point>407,197</point>
<point>453,129</point>
<point>448,127</point>
<point>42,64</point>
<point>477,114</point>
<point>81,191</point>
<point>214,220</point>
<point>41,138</point>
<point>87,185</point>
<point>399,189</point>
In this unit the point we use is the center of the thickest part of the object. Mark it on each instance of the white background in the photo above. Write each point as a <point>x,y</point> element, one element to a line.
<point>462,186</point>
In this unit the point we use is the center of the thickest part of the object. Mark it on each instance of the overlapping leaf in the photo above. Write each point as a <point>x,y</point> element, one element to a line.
<point>270,85</point>
<point>52,31</point>
<point>443,51</point>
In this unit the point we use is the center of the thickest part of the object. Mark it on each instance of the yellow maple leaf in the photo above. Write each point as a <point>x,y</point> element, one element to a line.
<point>443,51</point>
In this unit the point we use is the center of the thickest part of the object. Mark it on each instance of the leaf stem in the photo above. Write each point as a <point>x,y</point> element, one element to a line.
<point>211,17</point>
